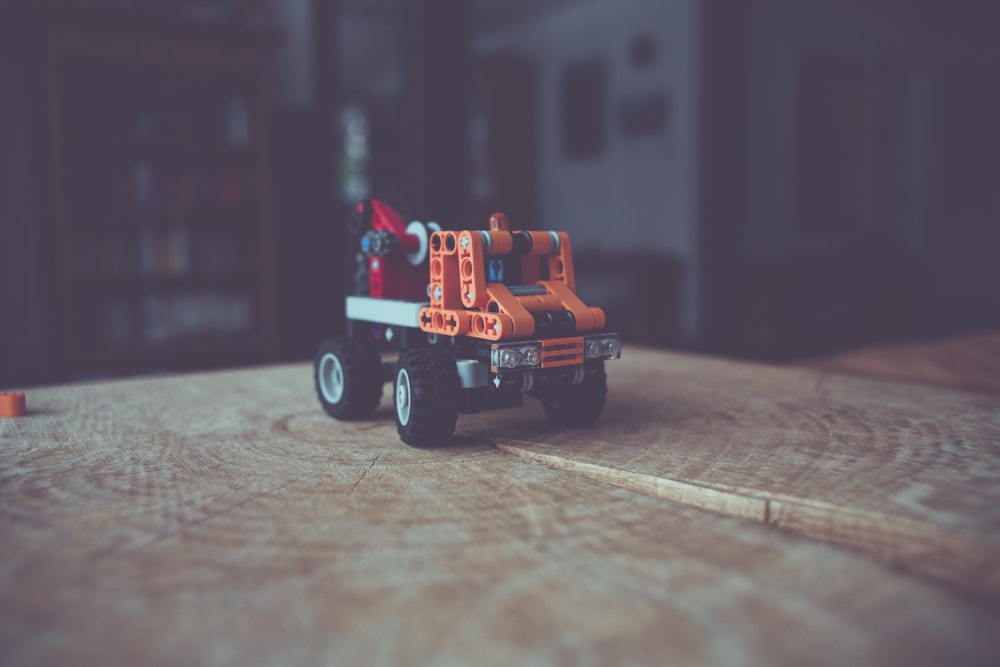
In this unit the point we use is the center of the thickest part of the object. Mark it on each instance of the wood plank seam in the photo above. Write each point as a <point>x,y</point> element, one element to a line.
<point>695,495</point>
<point>918,546</point>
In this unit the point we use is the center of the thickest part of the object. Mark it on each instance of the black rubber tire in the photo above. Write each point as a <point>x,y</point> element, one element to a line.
<point>347,373</point>
<point>430,386</point>
<point>579,404</point>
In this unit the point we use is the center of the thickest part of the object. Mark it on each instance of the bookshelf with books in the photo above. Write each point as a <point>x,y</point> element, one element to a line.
<point>161,242</point>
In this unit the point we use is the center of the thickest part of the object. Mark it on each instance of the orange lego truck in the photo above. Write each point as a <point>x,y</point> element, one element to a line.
<point>480,318</point>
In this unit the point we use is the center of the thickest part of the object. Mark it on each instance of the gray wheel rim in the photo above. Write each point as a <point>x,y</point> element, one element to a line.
<point>331,378</point>
<point>403,396</point>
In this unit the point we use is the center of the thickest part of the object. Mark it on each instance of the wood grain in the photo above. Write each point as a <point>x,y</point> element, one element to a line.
<point>909,474</point>
<point>970,362</point>
<point>224,519</point>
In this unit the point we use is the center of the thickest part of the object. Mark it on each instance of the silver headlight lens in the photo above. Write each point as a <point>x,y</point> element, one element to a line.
<point>523,354</point>
<point>531,356</point>
<point>606,346</point>
<point>509,358</point>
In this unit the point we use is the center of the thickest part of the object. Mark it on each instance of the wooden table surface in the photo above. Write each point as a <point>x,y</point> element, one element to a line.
<point>970,361</point>
<point>719,513</point>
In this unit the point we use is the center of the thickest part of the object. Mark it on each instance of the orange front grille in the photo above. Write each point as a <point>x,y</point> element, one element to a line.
<point>562,352</point>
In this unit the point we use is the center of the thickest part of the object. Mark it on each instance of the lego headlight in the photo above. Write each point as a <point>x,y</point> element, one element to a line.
<point>607,346</point>
<point>509,358</point>
<point>532,356</point>
<point>517,355</point>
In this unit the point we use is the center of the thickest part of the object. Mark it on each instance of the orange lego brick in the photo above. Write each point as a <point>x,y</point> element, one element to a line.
<point>12,404</point>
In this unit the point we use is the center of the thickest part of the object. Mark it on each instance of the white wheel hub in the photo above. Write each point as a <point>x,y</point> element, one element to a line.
<point>403,396</point>
<point>331,378</point>
<point>422,232</point>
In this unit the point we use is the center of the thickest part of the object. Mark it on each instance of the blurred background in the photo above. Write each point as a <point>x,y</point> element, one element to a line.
<point>765,179</point>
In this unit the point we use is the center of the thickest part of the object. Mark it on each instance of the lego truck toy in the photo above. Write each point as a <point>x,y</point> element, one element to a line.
<point>480,318</point>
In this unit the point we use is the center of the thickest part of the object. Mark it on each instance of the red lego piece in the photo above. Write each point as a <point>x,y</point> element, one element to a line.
<point>393,275</point>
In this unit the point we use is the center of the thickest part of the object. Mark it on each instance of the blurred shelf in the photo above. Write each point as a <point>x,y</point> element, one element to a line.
<point>234,218</point>
<point>199,351</point>
<point>155,284</point>
<point>156,185</point>
<point>183,149</point>
<point>156,36</point>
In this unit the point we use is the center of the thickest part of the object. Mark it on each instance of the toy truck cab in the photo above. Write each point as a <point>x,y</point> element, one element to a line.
<point>499,319</point>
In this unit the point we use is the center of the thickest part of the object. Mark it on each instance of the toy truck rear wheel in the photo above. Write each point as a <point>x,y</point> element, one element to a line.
<point>426,396</point>
<point>578,404</point>
<point>348,377</point>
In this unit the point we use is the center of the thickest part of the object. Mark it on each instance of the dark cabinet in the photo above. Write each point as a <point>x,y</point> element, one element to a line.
<point>148,213</point>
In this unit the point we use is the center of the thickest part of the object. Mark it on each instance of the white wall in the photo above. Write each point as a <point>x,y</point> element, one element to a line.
<point>641,194</point>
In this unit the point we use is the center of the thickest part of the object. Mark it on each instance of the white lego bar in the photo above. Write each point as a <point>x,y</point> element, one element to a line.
<point>385,311</point>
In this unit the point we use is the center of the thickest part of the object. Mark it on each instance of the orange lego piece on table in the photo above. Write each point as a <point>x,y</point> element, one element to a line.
<point>12,404</point>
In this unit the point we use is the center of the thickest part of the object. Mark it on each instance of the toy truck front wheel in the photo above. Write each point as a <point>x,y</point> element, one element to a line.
<point>426,396</point>
<point>348,377</point>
